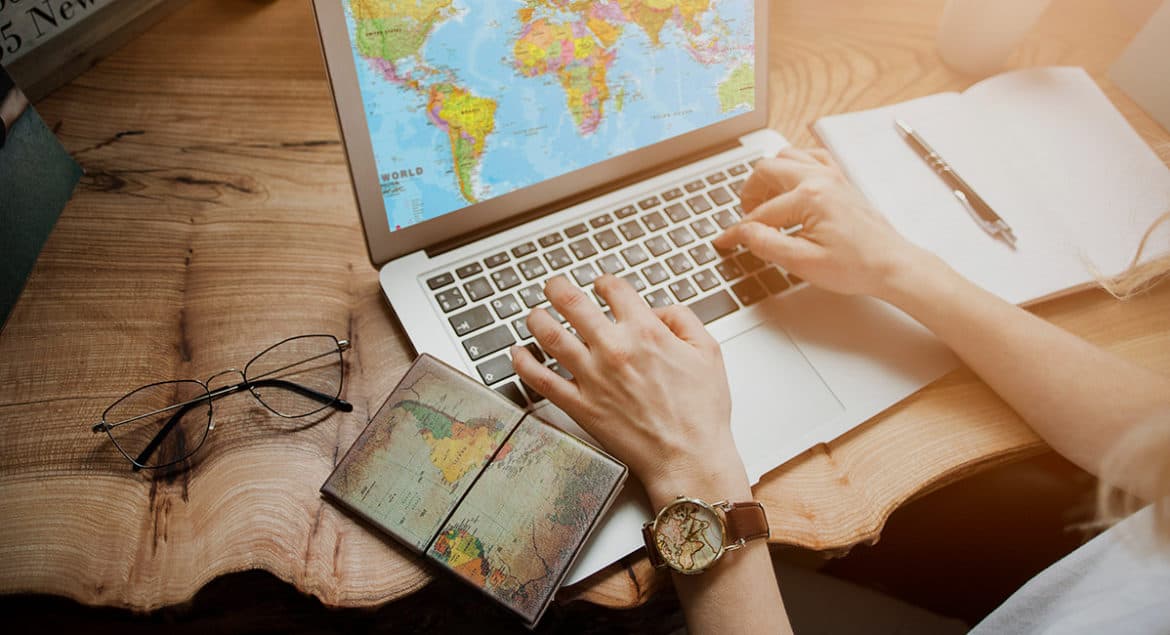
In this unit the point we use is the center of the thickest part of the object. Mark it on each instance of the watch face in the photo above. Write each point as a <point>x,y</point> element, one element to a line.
<point>689,535</point>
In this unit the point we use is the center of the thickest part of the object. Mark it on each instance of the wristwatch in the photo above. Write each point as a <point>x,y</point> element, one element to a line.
<point>689,535</point>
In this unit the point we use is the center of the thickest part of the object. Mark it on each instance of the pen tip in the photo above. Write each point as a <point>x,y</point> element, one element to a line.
<point>905,128</point>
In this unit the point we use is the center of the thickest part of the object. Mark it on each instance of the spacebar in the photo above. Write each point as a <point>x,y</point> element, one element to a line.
<point>713,307</point>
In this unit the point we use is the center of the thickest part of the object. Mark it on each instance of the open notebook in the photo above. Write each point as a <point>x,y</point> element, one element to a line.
<point>1045,148</point>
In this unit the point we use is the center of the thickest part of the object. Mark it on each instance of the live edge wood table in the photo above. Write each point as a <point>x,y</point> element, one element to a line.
<point>216,217</point>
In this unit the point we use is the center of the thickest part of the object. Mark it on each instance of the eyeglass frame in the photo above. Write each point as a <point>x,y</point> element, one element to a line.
<point>209,396</point>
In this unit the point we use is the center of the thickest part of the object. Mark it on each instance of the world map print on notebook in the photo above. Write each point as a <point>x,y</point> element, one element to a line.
<point>518,529</point>
<point>422,451</point>
<point>467,101</point>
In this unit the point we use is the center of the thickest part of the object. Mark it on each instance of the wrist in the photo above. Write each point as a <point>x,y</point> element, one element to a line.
<point>717,476</point>
<point>912,276</point>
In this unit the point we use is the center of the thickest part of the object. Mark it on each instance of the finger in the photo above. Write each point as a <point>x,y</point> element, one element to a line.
<point>684,323</point>
<point>542,379</point>
<point>790,252</point>
<point>622,299</point>
<point>772,176</point>
<point>558,342</point>
<point>797,154</point>
<point>582,313</point>
<point>823,157</point>
<point>787,210</point>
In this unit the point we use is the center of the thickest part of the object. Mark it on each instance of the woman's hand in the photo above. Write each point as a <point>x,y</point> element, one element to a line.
<point>650,386</point>
<point>844,244</point>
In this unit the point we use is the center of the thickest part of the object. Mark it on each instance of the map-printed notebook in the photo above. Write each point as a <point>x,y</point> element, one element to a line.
<point>461,475</point>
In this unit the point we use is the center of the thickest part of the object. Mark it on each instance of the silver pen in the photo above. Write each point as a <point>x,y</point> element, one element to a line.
<point>984,216</point>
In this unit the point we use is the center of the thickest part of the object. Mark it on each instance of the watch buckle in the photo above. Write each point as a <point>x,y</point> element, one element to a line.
<point>738,544</point>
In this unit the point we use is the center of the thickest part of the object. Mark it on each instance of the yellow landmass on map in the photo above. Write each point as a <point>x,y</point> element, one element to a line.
<point>467,120</point>
<point>652,15</point>
<point>579,62</point>
<point>463,450</point>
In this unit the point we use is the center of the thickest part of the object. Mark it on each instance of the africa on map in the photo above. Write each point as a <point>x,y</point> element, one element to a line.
<point>469,101</point>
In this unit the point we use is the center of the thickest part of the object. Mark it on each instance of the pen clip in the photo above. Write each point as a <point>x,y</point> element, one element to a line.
<point>995,228</point>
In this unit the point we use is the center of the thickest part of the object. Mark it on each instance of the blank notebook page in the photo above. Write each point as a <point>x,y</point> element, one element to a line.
<point>1045,148</point>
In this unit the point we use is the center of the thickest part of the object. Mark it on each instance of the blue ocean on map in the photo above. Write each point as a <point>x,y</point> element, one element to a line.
<point>655,92</point>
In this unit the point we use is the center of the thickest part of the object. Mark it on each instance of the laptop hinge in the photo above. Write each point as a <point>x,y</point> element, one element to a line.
<point>556,206</point>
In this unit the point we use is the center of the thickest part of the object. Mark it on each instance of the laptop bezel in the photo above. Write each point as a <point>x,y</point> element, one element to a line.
<point>385,245</point>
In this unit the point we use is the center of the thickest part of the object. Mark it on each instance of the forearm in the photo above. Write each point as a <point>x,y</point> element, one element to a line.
<point>1076,396</point>
<point>739,593</point>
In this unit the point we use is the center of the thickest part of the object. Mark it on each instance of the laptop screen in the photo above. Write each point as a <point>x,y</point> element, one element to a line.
<point>468,101</point>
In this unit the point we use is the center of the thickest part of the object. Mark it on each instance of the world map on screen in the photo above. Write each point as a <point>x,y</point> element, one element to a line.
<point>466,101</point>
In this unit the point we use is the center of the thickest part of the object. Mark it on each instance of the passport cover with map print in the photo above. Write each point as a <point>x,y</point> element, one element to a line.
<point>460,474</point>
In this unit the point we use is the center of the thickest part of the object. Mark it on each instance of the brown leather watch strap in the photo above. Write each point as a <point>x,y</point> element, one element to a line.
<point>656,560</point>
<point>746,521</point>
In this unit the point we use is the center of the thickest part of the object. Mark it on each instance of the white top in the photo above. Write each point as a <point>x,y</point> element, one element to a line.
<point>1119,582</point>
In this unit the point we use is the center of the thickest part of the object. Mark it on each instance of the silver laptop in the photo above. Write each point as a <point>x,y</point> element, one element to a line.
<point>495,144</point>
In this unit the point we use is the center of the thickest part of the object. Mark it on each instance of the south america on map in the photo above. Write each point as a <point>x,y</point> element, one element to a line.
<point>422,451</point>
<point>466,101</point>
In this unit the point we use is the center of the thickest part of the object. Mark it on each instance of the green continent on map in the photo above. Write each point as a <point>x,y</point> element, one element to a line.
<point>739,89</point>
<point>394,29</point>
<point>456,447</point>
<point>580,63</point>
<point>467,120</point>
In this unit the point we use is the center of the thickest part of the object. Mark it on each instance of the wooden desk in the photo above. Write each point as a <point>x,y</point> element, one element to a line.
<point>216,217</point>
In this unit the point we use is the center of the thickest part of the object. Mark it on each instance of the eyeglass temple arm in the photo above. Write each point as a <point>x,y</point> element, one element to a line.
<point>321,397</point>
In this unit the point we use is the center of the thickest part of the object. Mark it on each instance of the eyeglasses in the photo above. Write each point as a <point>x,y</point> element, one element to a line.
<point>164,423</point>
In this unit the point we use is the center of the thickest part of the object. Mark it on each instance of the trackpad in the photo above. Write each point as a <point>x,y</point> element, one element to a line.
<point>777,397</point>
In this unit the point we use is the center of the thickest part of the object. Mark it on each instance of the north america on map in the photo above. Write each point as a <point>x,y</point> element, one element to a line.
<point>469,101</point>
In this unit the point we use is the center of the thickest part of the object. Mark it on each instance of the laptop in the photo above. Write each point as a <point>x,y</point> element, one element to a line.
<point>494,145</point>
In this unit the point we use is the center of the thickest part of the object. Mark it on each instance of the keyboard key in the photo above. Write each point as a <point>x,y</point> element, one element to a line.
<point>513,393</point>
<point>683,290</point>
<point>610,264</point>
<point>704,227</point>
<point>468,270</point>
<point>488,342</point>
<point>655,273</point>
<point>737,170</point>
<point>677,212</point>
<point>558,258</point>
<point>532,296</point>
<point>647,203</point>
<point>795,280</point>
<point>560,370</point>
<point>496,369</point>
<point>736,186</point>
<point>681,236</point>
<point>576,230</point>
<point>635,281</point>
<point>702,253</point>
<point>532,268</point>
<point>631,230</point>
<point>496,260</point>
<point>556,315</point>
<point>506,306</point>
<point>715,306</point>
<point>583,249</point>
<point>600,300</point>
<point>520,251</point>
<point>470,321</point>
<point>725,218</point>
<point>679,263</point>
<point>671,194</point>
<point>635,255</point>
<point>440,280</point>
<point>521,326</point>
<point>506,278</point>
<point>706,280</point>
<point>658,245</point>
<point>773,280</point>
<point>718,177</point>
<point>694,186</point>
<point>450,300</point>
<point>550,240</point>
<point>738,210</point>
<point>601,221</point>
<point>536,352</point>
<point>478,289</point>
<point>720,196</point>
<point>750,262</point>
<point>585,274</point>
<point>658,298</point>
<point>729,270</point>
<point>607,239</point>
<point>698,204</point>
<point>654,221</point>
<point>625,212</point>
<point>533,396</point>
<point>749,291</point>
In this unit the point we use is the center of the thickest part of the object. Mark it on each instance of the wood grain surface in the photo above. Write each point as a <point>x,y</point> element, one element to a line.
<point>216,217</point>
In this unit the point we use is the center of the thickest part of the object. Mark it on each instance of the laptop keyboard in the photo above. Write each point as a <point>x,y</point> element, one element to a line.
<point>659,244</point>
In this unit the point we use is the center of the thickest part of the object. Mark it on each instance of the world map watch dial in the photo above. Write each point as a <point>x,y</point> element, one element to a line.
<point>689,536</point>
